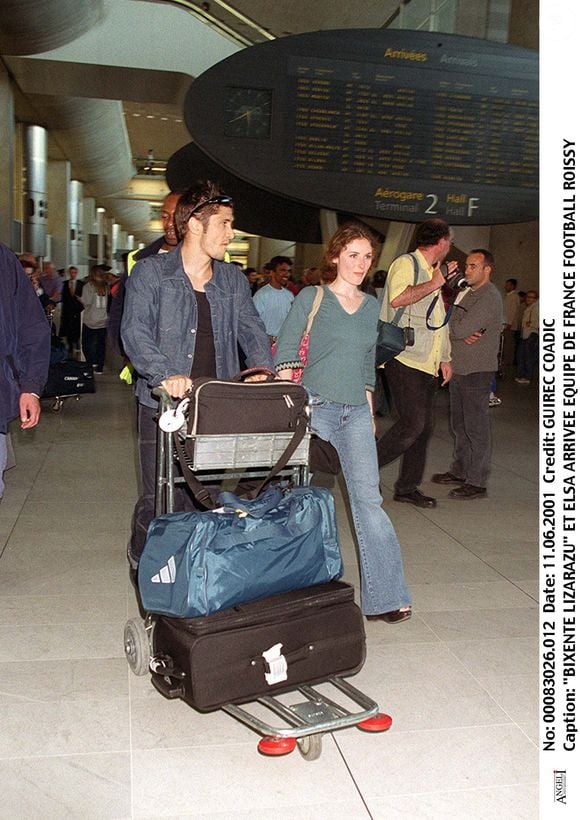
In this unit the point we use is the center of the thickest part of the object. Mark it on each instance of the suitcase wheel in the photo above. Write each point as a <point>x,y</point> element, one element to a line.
<point>276,746</point>
<point>310,746</point>
<point>57,406</point>
<point>379,723</point>
<point>137,646</point>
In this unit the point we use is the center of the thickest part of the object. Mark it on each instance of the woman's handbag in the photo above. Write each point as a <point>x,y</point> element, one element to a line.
<point>201,562</point>
<point>303,348</point>
<point>392,339</point>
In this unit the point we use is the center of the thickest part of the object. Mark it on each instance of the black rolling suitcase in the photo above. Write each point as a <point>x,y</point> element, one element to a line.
<point>260,648</point>
<point>69,378</point>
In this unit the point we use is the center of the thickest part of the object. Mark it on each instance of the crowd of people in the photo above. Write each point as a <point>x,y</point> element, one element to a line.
<point>77,309</point>
<point>180,311</point>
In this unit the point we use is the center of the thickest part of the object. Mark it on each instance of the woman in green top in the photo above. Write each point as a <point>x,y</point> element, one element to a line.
<point>340,377</point>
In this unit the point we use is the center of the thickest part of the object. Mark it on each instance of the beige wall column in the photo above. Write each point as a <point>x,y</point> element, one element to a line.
<point>101,232</point>
<point>397,239</point>
<point>467,237</point>
<point>275,247</point>
<point>471,18</point>
<point>328,224</point>
<point>254,252</point>
<point>307,256</point>
<point>76,223</point>
<point>524,29</point>
<point>89,227</point>
<point>58,217</point>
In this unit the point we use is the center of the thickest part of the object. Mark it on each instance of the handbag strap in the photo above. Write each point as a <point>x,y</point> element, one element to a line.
<point>399,312</point>
<point>314,309</point>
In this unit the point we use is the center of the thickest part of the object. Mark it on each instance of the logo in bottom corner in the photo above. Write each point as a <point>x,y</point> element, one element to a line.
<point>560,786</point>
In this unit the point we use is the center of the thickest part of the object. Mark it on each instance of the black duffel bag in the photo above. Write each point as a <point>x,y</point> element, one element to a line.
<point>230,408</point>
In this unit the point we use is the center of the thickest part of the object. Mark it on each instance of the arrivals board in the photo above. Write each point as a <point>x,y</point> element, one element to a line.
<point>393,124</point>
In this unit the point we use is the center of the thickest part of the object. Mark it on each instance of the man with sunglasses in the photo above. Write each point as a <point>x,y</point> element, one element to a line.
<point>185,314</point>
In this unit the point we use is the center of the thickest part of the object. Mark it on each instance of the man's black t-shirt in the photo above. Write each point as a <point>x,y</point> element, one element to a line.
<point>204,359</point>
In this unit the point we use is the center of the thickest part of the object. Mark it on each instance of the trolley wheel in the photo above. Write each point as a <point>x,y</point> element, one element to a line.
<point>137,647</point>
<point>57,406</point>
<point>276,746</point>
<point>379,723</point>
<point>310,746</point>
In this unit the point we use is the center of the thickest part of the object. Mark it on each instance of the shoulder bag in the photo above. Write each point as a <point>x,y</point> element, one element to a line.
<point>392,339</point>
<point>297,372</point>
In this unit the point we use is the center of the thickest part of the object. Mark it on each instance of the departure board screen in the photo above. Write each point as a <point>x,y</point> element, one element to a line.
<point>398,125</point>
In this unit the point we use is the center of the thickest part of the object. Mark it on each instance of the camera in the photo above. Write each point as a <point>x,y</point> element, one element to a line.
<point>409,336</point>
<point>456,280</point>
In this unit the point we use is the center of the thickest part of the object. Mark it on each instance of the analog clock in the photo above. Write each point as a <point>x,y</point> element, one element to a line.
<point>247,112</point>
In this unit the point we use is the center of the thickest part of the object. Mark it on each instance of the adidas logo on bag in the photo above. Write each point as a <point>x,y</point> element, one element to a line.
<point>166,574</point>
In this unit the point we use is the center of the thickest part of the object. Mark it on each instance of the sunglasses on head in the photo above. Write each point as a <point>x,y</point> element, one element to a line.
<point>216,200</point>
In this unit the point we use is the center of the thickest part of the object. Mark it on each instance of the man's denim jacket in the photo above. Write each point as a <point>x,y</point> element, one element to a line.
<point>160,322</point>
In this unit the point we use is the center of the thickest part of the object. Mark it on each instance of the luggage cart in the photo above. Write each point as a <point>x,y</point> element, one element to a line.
<point>302,723</point>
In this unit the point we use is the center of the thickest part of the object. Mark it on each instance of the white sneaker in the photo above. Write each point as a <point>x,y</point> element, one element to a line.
<point>494,400</point>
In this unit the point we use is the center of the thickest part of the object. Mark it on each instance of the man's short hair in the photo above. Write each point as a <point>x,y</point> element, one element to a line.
<point>279,260</point>
<point>487,256</point>
<point>513,282</point>
<point>190,199</point>
<point>430,232</point>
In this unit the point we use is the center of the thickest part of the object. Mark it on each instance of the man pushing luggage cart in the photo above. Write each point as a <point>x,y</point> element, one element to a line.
<point>185,314</point>
<point>215,636</point>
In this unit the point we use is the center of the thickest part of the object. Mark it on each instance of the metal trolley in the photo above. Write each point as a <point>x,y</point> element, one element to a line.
<point>335,704</point>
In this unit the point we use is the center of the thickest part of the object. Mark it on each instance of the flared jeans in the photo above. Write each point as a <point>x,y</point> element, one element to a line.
<point>349,429</point>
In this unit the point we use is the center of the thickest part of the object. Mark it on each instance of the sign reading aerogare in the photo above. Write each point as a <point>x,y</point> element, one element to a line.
<point>400,125</point>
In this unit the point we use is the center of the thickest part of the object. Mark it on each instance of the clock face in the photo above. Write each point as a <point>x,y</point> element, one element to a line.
<point>247,112</point>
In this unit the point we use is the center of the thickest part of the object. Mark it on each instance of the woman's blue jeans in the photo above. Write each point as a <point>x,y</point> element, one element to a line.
<point>349,428</point>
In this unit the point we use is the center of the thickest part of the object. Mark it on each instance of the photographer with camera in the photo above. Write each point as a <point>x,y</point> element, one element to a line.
<point>474,331</point>
<point>412,376</point>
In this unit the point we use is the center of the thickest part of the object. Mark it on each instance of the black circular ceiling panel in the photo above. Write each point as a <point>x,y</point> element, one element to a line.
<point>399,125</point>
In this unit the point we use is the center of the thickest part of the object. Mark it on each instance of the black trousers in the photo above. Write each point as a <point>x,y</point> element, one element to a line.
<point>413,394</point>
<point>94,341</point>
<point>469,407</point>
<point>144,511</point>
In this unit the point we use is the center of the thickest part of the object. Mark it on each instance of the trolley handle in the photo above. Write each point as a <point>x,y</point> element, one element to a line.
<point>255,371</point>
<point>165,400</point>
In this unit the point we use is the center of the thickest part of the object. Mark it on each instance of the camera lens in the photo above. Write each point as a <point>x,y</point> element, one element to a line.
<point>457,280</point>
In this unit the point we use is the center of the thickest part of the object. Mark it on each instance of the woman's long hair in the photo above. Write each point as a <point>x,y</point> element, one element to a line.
<point>98,280</point>
<point>338,242</point>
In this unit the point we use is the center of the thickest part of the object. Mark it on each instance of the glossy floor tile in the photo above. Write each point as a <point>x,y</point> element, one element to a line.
<point>82,737</point>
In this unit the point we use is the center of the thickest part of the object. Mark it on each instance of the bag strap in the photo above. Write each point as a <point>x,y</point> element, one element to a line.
<point>314,309</point>
<point>399,312</point>
<point>201,493</point>
<point>430,310</point>
<point>291,447</point>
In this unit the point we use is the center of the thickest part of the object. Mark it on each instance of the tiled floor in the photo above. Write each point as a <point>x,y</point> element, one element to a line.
<point>81,737</point>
